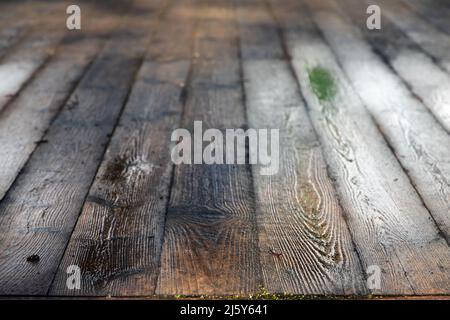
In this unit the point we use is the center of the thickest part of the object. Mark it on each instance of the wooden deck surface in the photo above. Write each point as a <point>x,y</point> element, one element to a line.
<point>86,176</point>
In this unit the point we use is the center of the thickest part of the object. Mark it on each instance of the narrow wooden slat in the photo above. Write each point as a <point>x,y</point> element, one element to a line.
<point>433,41</point>
<point>22,61</point>
<point>415,136</point>
<point>118,237</point>
<point>25,121</point>
<point>40,210</point>
<point>390,226</point>
<point>298,213</point>
<point>210,241</point>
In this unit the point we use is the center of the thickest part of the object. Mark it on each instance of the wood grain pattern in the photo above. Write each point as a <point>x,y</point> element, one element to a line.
<point>210,241</point>
<point>436,13</point>
<point>390,226</point>
<point>38,214</point>
<point>29,115</point>
<point>409,61</point>
<point>118,237</point>
<point>415,136</point>
<point>298,213</point>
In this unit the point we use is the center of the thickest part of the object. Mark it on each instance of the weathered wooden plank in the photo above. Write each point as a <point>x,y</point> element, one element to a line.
<point>40,210</point>
<point>411,64</point>
<point>298,213</point>
<point>25,121</point>
<point>433,41</point>
<point>390,226</point>
<point>437,13</point>
<point>22,61</point>
<point>7,8</point>
<point>118,237</point>
<point>210,242</point>
<point>23,124</point>
<point>416,138</point>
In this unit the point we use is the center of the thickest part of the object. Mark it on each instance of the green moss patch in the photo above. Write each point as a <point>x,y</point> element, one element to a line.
<point>322,83</point>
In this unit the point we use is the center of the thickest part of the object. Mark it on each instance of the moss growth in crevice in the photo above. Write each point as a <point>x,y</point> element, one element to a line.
<point>322,83</point>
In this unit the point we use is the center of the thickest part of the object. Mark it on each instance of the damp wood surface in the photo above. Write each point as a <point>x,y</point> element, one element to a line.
<point>87,180</point>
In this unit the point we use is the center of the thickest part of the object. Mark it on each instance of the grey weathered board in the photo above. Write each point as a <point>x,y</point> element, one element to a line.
<point>435,12</point>
<point>22,61</point>
<point>431,39</point>
<point>40,210</point>
<point>299,216</point>
<point>408,60</point>
<point>210,241</point>
<point>117,240</point>
<point>390,226</point>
